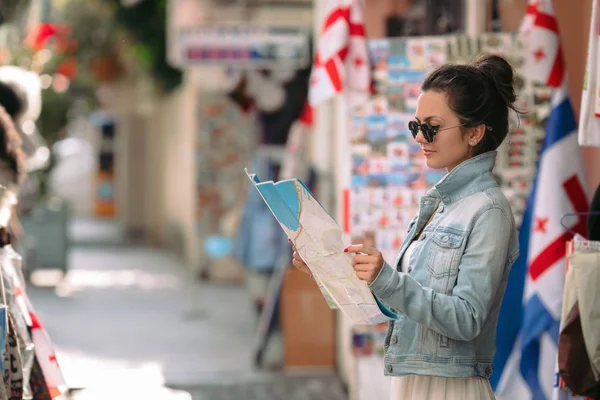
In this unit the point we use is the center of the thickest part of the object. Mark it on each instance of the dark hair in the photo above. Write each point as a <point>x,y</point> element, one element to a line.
<point>481,92</point>
<point>10,148</point>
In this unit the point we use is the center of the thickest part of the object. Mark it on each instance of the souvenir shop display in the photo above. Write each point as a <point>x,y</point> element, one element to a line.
<point>225,138</point>
<point>254,116</point>
<point>30,368</point>
<point>389,174</point>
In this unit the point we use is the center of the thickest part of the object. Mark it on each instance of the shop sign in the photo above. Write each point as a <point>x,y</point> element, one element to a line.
<point>245,47</point>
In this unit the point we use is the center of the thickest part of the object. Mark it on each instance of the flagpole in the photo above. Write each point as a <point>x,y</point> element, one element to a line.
<point>327,133</point>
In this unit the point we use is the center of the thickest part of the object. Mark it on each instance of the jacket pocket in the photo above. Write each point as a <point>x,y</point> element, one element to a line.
<point>444,257</point>
<point>444,342</point>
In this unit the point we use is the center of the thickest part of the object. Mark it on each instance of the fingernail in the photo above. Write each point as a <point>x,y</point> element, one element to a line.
<point>346,250</point>
<point>289,240</point>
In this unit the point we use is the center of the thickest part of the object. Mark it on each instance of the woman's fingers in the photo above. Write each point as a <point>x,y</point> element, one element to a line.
<point>367,276</point>
<point>361,248</point>
<point>297,257</point>
<point>363,259</point>
<point>301,266</point>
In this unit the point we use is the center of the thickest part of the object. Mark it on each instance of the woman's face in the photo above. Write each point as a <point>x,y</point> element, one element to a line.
<point>450,146</point>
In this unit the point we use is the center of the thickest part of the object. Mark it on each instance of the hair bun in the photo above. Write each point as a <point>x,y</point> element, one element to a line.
<point>500,73</point>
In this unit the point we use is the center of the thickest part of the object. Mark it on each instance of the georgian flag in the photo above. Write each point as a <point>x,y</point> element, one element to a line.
<point>341,62</point>
<point>525,366</point>
<point>529,323</point>
<point>543,61</point>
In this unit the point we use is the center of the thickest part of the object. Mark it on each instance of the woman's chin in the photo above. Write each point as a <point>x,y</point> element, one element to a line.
<point>431,163</point>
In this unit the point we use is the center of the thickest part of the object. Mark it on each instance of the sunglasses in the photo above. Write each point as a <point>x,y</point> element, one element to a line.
<point>428,130</point>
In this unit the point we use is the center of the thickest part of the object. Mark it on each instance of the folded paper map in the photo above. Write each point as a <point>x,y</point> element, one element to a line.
<point>320,242</point>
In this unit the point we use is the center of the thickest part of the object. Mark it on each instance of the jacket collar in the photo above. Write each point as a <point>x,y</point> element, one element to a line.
<point>470,176</point>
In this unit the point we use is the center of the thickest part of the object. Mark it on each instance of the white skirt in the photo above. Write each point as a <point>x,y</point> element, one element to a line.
<point>415,387</point>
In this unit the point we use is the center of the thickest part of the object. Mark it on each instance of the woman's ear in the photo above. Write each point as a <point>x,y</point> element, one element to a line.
<point>476,134</point>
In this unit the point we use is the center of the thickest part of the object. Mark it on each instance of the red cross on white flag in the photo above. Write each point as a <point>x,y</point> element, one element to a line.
<point>589,117</point>
<point>543,61</point>
<point>342,61</point>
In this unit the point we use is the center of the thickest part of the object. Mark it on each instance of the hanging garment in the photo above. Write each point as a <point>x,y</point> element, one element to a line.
<point>13,282</point>
<point>13,367</point>
<point>589,116</point>
<point>579,340</point>
<point>37,382</point>
<point>573,361</point>
<point>47,382</point>
<point>260,240</point>
<point>275,126</point>
<point>593,222</point>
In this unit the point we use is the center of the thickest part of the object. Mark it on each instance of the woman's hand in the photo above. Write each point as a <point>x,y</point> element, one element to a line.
<point>299,263</point>
<point>367,262</point>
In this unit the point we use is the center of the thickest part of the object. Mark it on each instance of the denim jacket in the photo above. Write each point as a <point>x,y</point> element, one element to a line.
<point>448,303</point>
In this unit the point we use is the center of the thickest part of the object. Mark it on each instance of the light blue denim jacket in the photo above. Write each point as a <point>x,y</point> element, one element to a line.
<point>448,303</point>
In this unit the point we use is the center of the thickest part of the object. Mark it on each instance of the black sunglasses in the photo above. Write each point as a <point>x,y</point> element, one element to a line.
<point>428,130</point>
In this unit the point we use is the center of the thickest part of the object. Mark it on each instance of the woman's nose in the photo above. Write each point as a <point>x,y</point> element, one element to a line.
<point>420,138</point>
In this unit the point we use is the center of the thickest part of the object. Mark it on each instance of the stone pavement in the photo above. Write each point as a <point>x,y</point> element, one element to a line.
<point>130,322</point>
<point>132,317</point>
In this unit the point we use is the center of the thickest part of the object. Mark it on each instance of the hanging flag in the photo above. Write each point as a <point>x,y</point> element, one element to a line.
<point>589,117</point>
<point>526,357</point>
<point>529,18</point>
<point>543,61</point>
<point>55,384</point>
<point>341,63</point>
<point>297,148</point>
<point>525,363</point>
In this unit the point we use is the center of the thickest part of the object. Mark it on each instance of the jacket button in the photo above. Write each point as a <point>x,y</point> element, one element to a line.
<point>441,208</point>
<point>423,236</point>
<point>389,368</point>
<point>445,238</point>
<point>394,339</point>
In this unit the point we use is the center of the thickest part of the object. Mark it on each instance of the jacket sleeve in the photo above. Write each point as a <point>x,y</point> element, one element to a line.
<point>460,315</point>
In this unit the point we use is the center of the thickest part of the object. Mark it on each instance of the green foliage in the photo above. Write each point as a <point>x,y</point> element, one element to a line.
<point>146,23</point>
<point>54,116</point>
<point>92,26</point>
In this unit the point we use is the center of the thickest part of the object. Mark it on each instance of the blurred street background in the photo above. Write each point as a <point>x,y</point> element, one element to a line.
<point>151,269</point>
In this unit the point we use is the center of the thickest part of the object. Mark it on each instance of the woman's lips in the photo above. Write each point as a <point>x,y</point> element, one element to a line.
<point>428,152</point>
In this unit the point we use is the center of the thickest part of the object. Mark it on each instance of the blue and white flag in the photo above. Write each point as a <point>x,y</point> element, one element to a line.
<point>529,325</point>
<point>528,329</point>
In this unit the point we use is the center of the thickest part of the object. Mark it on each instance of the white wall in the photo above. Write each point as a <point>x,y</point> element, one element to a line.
<point>154,165</point>
<point>177,145</point>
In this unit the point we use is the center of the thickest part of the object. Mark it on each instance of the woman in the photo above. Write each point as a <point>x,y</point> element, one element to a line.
<point>447,284</point>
